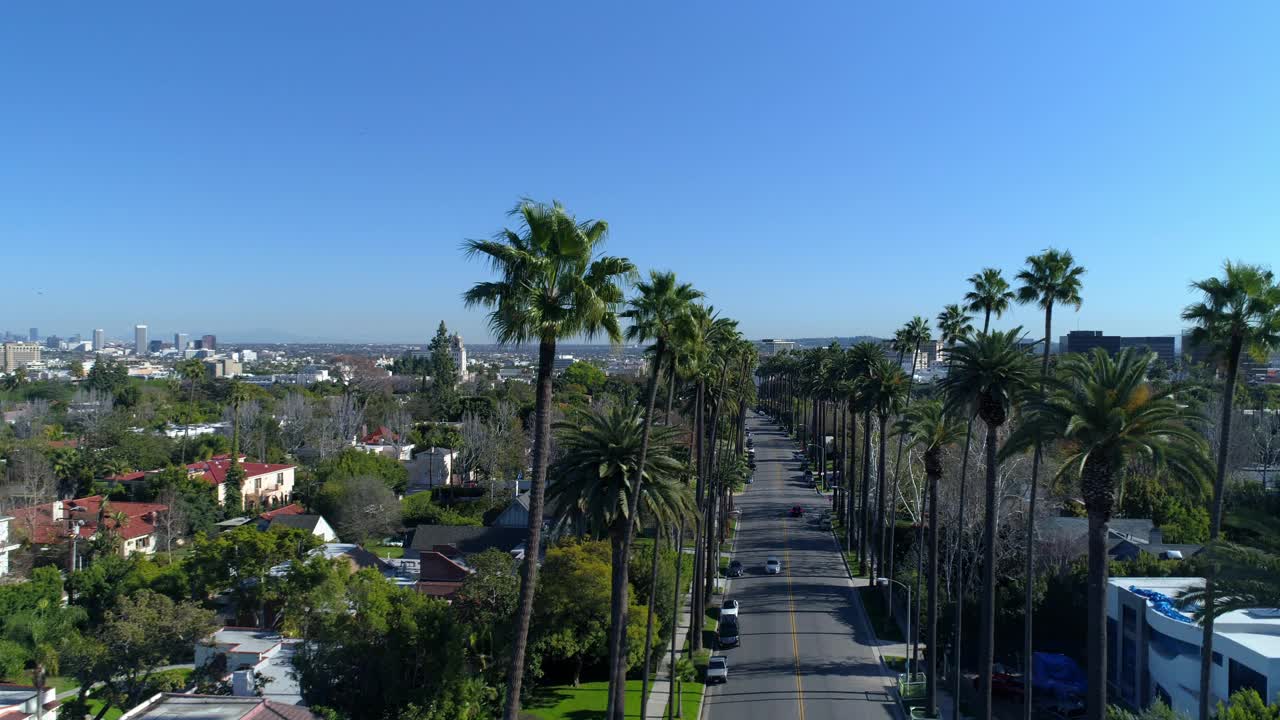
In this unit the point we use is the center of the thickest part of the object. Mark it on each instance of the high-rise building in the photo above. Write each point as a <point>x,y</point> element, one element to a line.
<point>459,353</point>
<point>1082,341</point>
<point>99,339</point>
<point>34,335</point>
<point>209,342</point>
<point>20,354</point>
<point>155,346</point>
<point>140,339</point>
<point>180,341</point>
<point>53,342</point>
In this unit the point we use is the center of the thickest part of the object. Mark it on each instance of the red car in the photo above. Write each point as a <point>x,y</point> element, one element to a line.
<point>1004,683</point>
<point>797,511</point>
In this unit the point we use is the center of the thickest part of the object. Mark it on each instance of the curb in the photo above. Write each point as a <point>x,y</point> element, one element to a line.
<point>862,611</point>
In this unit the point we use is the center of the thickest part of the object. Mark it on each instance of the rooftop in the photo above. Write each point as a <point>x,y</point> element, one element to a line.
<point>171,706</point>
<point>1257,629</point>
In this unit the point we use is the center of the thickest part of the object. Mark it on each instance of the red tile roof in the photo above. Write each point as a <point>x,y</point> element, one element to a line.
<point>38,520</point>
<point>213,471</point>
<point>291,509</point>
<point>435,567</point>
<point>379,436</point>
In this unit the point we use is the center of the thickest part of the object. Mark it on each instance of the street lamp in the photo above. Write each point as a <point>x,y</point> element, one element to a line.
<point>884,582</point>
<point>74,534</point>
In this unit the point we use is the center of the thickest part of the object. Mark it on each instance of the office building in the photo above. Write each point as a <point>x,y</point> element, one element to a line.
<point>1154,648</point>
<point>20,354</point>
<point>99,339</point>
<point>1083,341</point>
<point>222,367</point>
<point>209,342</point>
<point>180,341</point>
<point>155,347</point>
<point>53,342</point>
<point>34,335</point>
<point>140,339</point>
<point>769,346</point>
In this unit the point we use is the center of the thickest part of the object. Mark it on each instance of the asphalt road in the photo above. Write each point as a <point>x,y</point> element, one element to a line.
<point>804,651</point>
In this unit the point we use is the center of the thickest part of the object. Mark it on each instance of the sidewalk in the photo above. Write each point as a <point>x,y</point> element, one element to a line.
<point>660,688</point>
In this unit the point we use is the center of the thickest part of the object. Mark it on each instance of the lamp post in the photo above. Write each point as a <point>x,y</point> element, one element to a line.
<point>74,534</point>
<point>884,582</point>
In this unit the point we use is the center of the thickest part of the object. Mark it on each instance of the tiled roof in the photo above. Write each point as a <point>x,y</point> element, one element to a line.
<point>44,530</point>
<point>214,470</point>
<point>290,509</point>
<point>467,539</point>
<point>437,568</point>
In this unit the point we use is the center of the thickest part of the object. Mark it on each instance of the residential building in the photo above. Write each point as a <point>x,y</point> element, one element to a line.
<point>180,341</point>
<point>7,546</point>
<point>196,429</point>
<point>238,651</point>
<point>18,702</point>
<point>1154,648</point>
<point>99,339</point>
<point>459,542</point>
<point>293,516</point>
<point>264,484</point>
<point>20,355</point>
<point>1083,341</point>
<point>177,706</point>
<point>209,342</point>
<point>431,468</point>
<point>222,367</point>
<point>516,514</point>
<point>140,339</point>
<point>770,346</point>
<point>48,526</point>
<point>438,576</point>
<point>1067,538</point>
<point>384,442</point>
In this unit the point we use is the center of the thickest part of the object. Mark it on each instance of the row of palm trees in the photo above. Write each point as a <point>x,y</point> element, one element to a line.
<point>616,466</point>
<point>1097,412</point>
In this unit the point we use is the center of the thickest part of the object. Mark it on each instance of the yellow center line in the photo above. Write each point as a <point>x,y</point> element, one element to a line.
<point>791,610</point>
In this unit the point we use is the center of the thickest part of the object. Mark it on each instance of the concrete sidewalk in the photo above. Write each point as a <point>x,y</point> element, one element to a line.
<point>660,687</point>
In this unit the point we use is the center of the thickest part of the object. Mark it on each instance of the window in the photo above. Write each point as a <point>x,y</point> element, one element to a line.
<point>1240,676</point>
<point>279,479</point>
<point>1113,668</point>
<point>1217,659</point>
<point>1128,667</point>
<point>1169,647</point>
<point>257,484</point>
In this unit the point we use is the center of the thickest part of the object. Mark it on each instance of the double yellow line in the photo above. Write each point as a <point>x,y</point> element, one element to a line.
<point>791,610</point>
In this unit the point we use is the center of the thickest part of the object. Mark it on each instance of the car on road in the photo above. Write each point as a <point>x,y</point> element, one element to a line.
<point>735,568</point>
<point>717,669</point>
<point>728,632</point>
<point>797,511</point>
<point>772,566</point>
<point>728,608</point>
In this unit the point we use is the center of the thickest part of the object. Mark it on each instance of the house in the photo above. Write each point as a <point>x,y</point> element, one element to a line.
<point>18,702</point>
<point>264,483</point>
<point>265,652</point>
<point>175,706</point>
<point>54,523</point>
<point>457,542</point>
<point>314,524</point>
<point>7,545</point>
<point>431,468</point>
<point>438,576</point>
<point>1155,648</point>
<point>358,559</point>
<point>516,514</point>
<point>384,442</point>
<point>1068,538</point>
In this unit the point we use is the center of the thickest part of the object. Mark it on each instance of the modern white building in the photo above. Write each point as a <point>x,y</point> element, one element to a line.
<point>1154,649</point>
<point>19,702</point>
<point>770,346</point>
<point>99,339</point>
<point>7,545</point>
<point>140,340</point>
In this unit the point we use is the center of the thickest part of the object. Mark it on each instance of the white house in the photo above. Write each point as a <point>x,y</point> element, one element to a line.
<point>265,652</point>
<point>1154,649</point>
<point>431,468</point>
<point>7,545</point>
<point>18,702</point>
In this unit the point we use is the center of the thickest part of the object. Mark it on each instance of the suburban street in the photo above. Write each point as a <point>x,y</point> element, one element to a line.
<point>804,651</point>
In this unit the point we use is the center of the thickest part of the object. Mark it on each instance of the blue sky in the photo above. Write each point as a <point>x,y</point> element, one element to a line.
<point>816,168</point>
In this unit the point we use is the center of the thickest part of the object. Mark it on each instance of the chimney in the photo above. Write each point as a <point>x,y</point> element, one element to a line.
<point>55,511</point>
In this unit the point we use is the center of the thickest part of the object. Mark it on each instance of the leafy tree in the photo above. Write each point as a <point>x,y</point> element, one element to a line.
<point>351,463</point>
<point>552,284</point>
<point>107,375</point>
<point>486,602</point>
<point>443,391</point>
<point>238,561</point>
<point>585,375</point>
<point>362,507</point>
<point>1246,704</point>
<point>421,509</point>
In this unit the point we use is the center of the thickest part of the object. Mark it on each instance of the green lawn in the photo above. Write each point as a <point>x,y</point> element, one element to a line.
<point>95,705</point>
<point>874,602</point>
<point>387,551</point>
<point>587,701</point>
<point>59,682</point>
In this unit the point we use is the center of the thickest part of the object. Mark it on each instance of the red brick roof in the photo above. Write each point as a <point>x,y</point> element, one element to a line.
<point>45,530</point>
<point>291,509</point>
<point>213,471</point>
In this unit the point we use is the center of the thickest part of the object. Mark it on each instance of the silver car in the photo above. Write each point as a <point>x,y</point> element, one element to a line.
<point>772,566</point>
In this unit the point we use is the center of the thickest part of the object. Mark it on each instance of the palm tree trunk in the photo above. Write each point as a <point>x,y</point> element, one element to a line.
<point>1028,606</point>
<point>1096,674</point>
<point>648,622</point>
<point>931,679</point>
<point>1215,523</point>
<point>865,521</point>
<point>672,695</point>
<point>618,662</point>
<point>897,466</point>
<point>959,567</point>
<point>715,527</point>
<point>878,566</point>
<point>987,627</point>
<point>671,391</point>
<point>617,619</point>
<point>699,606</point>
<point>533,548</point>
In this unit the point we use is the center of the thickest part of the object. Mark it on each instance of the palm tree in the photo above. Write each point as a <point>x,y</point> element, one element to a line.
<point>990,295</point>
<point>912,335</point>
<point>862,357</point>
<point>190,370</point>
<point>1050,278</point>
<point>930,429</point>
<point>1108,415</point>
<point>239,392</point>
<point>598,482</point>
<point>989,371</point>
<point>655,314</point>
<point>1240,312</point>
<point>1245,578</point>
<point>954,324</point>
<point>885,388</point>
<point>551,285</point>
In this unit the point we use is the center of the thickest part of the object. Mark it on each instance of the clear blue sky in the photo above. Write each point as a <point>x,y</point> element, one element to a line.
<point>816,168</point>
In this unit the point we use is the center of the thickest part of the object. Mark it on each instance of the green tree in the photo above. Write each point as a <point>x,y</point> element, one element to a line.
<point>589,377</point>
<point>1246,704</point>
<point>352,463</point>
<point>107,375</point>
<point>442,394</point>
<point>990,295</point>
<point>239,561</point>
<point>1246,578</point>
<point>1108,415</point>
<point>990,372</point>
<point>884,389</point>
<point>362,507</point>
<point>1239,312</point>
<point>552,284</point>
<point>486,603</point>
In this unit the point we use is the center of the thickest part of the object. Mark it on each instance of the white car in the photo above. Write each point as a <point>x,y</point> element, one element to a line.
<point>728,608</point>
<point>772,566</point>
<point>717,669</point>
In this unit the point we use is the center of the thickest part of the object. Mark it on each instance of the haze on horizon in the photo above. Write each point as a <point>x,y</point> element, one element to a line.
<point>311,170</point>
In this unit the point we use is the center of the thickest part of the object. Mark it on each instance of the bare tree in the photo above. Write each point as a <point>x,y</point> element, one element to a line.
<point>171,523</point>
<point>297,420</point>
<point>31,421</point>
<point>366,508</point>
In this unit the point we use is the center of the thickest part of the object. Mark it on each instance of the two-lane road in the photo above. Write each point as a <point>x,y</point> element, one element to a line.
<point>803,653</point>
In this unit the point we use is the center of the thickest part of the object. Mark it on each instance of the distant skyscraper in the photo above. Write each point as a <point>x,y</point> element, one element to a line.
<point>99,339</point>
<point>1083,341</point>
<point>140,339</point>
<point>35,335</point>
<point>209,342</point>
<point>459,353</point>
<point>180,341</point>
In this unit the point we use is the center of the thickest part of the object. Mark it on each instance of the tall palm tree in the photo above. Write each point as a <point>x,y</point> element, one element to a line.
<point>990,295</point>
<point>655,314</point>
<point>1107,414</point>
<point>885,387</point>
<point>912,336</point>
<point>1239,312</point>
<point>1050,278</point>
<point>862,357</point>
<point>190,370</point>
<point>239,392</point>
<point>552,284</point>
<point>954,324</point>
<point>931,430</point>
<point>992,372</point>
<point>599,482</point>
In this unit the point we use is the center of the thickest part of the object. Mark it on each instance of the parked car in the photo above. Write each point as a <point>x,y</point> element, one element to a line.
<point>728,608</point>
<point>772,566</point>
<point>1004,682</point>
<point>717,669</point>
<point>797,511</point>
<point>735,568</point>
<point>728,632</point>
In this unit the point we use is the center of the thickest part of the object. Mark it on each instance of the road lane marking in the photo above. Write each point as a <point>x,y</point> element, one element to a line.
<point>791,610</point>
